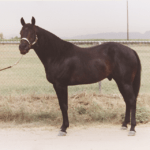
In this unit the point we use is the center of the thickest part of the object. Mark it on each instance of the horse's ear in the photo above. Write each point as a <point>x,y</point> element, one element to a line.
<point>22,21</point>
<point>33,21</point>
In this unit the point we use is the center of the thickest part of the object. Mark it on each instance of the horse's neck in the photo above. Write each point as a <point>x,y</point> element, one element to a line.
<point>48,46</point>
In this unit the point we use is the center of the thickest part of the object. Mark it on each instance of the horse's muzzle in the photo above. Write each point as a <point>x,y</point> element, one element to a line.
<point>24,48</point>
<point>23,52</point>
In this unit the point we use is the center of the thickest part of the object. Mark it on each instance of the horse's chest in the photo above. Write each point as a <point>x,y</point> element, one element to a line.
<point>55,74</point>
<point>50,75</point>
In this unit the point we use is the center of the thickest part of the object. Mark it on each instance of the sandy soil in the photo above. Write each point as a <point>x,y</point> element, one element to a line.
<point>81,138</point>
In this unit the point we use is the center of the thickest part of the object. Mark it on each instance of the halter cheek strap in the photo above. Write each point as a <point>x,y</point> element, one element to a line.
<point>35,40</point>
<point>29,41</point>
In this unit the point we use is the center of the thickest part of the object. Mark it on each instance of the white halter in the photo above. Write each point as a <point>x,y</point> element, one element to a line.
<point>29,41</point>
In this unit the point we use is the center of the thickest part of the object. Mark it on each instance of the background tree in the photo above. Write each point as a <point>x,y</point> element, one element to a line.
<point>15,38</point>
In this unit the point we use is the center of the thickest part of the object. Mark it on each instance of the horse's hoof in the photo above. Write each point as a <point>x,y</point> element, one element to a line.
<point>123,128</point>
<point>131,133</point>
<point>61,133</point>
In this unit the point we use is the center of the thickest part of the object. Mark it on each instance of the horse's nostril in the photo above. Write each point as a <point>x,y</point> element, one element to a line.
<point>20,47</point>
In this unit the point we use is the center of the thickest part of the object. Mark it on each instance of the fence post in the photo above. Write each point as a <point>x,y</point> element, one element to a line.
<point>100,86</point>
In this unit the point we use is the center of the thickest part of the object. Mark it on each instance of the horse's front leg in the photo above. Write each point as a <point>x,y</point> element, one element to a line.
<point>62,94</point>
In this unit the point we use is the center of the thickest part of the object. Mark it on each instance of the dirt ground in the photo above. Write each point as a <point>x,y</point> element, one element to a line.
<point>98,137</point>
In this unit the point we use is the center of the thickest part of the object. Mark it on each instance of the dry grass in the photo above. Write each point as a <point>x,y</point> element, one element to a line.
<point>84,108</point>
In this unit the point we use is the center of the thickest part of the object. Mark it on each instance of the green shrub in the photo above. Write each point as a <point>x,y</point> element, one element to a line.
<point>81,110</point>
<point>142,114</point>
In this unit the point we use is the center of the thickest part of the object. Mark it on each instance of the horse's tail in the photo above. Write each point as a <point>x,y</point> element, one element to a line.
<point>137,79</point>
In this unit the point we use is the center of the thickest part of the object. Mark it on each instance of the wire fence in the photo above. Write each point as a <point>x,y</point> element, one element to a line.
<point>28,77</point>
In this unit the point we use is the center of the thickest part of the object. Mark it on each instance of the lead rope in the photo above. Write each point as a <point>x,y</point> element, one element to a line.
<point>12,65</point>
<point>22,55</point>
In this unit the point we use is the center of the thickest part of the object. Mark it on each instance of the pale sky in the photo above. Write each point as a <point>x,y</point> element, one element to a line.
<point>71,18</point>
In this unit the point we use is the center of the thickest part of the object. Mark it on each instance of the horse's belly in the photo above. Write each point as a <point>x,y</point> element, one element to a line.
<point>86,78</point>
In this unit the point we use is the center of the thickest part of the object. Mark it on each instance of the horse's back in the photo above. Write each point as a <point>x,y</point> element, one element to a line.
<point>109,52</point>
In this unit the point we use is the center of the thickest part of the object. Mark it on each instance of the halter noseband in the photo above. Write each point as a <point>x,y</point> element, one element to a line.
<point>29,41</point>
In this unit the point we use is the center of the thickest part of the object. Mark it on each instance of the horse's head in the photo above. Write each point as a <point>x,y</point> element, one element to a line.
<point>28,36</point>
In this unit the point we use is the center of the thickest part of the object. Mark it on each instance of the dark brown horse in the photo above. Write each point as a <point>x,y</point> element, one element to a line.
<point>67,64</point>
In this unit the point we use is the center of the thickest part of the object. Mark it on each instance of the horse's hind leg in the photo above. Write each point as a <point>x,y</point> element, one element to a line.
<point>127,116</point>
<point>130,100</point>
